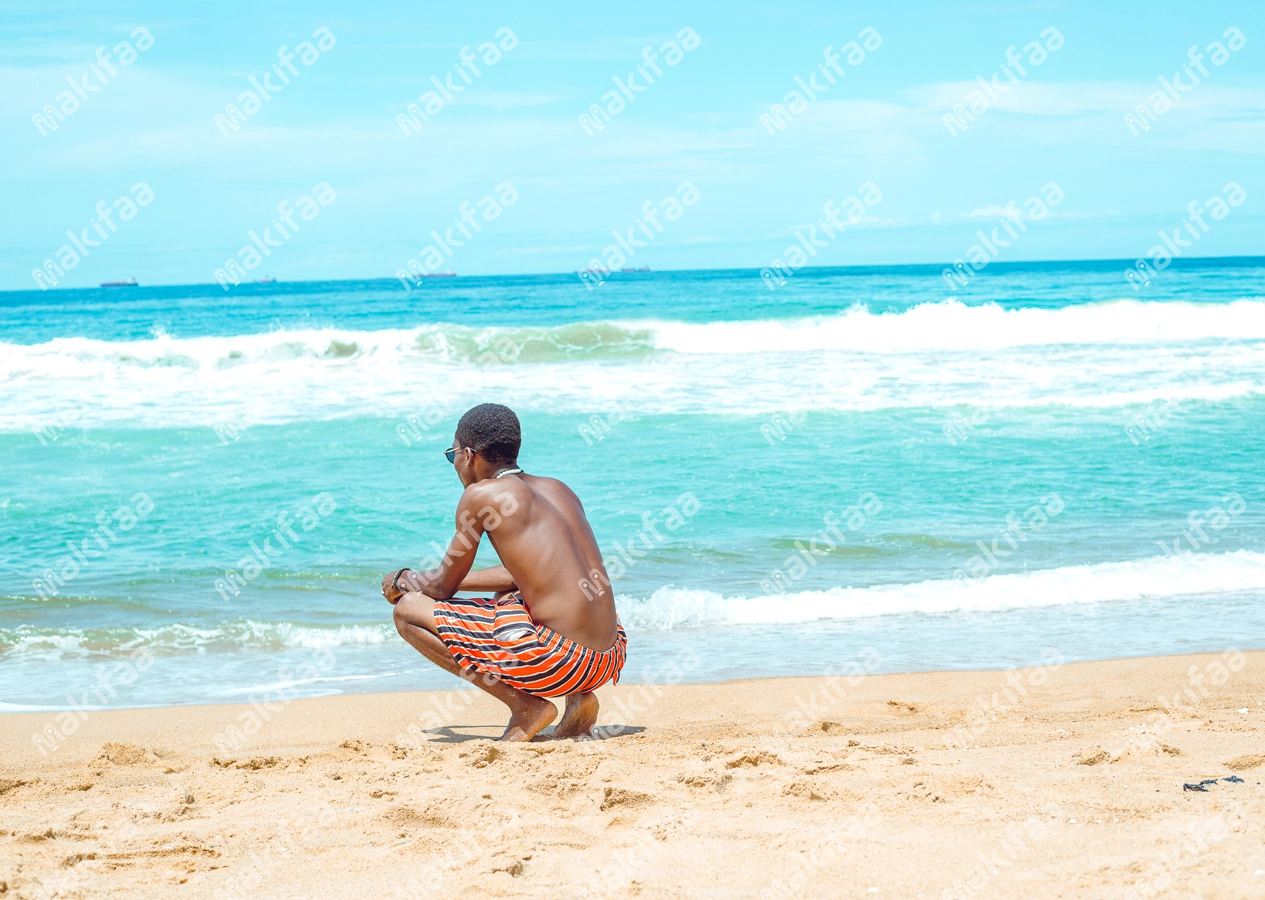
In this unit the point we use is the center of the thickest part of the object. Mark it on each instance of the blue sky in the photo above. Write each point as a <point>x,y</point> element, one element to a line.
<point>518,122</point>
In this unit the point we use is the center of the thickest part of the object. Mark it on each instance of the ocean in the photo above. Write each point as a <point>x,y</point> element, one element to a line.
<point>861,463</point>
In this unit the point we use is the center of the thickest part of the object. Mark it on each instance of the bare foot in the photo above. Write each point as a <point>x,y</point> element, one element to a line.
<point>580,716</point>
<point>530,719</point>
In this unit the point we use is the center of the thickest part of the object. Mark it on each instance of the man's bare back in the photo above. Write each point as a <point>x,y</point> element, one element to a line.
<point>549,551</point>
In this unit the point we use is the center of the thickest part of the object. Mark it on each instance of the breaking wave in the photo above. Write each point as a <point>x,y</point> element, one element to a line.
<point>1190,574</point>
<point>671,608</point>
<point>1106,354</point>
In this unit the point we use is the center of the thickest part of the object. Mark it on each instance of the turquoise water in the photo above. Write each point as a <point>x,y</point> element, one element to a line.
<point>1108,422</point>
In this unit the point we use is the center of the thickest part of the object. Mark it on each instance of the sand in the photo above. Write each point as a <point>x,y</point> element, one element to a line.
<point>1070,785</point>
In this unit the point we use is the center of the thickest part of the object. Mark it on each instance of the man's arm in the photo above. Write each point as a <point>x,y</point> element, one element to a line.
<point>447,578</point>
<point>494,579</point>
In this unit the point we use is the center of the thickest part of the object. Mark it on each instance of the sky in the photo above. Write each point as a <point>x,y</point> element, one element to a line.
<point>518,121</point>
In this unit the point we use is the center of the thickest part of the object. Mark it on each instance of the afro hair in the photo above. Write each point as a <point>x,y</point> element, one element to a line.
<point>492,431</point>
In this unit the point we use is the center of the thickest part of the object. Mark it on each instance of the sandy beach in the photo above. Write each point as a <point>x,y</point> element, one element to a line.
<point>1069,785</point>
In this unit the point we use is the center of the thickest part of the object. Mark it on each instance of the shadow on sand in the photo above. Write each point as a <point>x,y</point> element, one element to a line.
<point>450,735</point>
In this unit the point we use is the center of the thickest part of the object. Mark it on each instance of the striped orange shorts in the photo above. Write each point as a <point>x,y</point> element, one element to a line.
<point>498,637</point>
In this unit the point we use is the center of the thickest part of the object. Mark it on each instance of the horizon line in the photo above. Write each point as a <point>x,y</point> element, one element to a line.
<point>930,266</point>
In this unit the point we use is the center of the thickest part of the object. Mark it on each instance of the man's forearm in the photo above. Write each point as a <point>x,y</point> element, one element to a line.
<point>496,578</point>
<point>427,582</point>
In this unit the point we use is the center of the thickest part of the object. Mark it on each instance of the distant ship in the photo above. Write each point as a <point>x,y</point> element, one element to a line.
<point>267,280</point>
<point>597,271</point>
<point>448,274</point>
<point>131,282</point>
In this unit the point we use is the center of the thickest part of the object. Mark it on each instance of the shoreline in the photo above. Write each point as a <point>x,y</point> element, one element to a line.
<point>816,787</point>
<point>672,657</point>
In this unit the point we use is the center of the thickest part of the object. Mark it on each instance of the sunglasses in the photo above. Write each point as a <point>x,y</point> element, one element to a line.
<point>451,453</point>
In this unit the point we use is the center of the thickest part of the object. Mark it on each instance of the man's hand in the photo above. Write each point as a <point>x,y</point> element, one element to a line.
<point>389,589</point>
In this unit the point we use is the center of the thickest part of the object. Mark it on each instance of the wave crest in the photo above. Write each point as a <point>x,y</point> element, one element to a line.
<point>671,608</point>
<point>1100,354</point>
<point>29,643</point>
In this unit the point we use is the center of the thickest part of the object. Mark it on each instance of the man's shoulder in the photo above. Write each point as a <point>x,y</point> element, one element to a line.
<point>488,491</point>
<point>544,480</point>
<point>552,485</point>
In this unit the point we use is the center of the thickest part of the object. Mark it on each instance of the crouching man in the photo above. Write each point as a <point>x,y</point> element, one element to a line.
<point>550,628</point>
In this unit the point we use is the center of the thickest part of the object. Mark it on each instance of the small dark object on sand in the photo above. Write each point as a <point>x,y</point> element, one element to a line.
<point>1208,781</point>
<point>1194,787</point>
<point>1233,778</point>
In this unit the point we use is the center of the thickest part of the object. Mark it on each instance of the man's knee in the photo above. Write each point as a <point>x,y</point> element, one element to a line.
<point>415,609</point>
<point>400,614</point>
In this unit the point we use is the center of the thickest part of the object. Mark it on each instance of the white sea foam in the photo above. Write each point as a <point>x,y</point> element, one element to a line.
<point>671,608</point>
<point>954,326</point>
<point>1190,574</point>
<point>303,682</point>
<point>29,643</point>
<point>1093,355</point>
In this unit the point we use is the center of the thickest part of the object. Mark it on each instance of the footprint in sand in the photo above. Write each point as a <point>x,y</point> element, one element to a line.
<point>1248,761</point>
<point>122,754</point>
<point>615,797</point>
<point>752,759</point>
